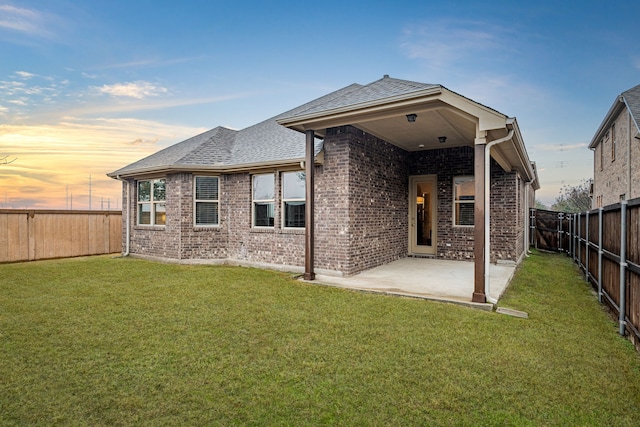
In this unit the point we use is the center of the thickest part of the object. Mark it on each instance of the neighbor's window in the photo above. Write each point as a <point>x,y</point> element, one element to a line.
<point>151,202</point>
<point>263,200</point>
<point>207,201</point>
<point>613,142</point>
<point>293,199</point>
<point>463,200</point>
<point>601,148</point>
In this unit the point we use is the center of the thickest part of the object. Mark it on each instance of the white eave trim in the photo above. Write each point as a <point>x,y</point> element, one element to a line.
<point>355,109</point>
<point>246,167</point>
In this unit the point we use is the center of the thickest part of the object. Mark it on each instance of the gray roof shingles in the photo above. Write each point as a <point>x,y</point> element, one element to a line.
<point>266,141</point>
<point>384,88</point>
<point>632,98</point>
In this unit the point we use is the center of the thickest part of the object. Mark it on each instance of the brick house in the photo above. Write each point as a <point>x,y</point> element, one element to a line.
<point>355,179</point>
<point>616,152</point>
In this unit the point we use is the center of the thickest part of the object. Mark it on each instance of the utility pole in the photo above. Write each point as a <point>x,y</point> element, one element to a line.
<point>89,191</point>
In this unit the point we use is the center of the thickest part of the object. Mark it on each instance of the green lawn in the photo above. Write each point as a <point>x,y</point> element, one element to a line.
<point>119,341</point>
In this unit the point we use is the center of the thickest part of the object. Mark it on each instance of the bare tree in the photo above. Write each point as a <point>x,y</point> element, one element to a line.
<point>4,159</point>
<point>574,199</point>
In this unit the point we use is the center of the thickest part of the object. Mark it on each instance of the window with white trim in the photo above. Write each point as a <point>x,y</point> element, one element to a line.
<point>293,199</point>
<point>207,201</point>
<point>263,196</point>
<point>151,202</point>
<point>463,200</point>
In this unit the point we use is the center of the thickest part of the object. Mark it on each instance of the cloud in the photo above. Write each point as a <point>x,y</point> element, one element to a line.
<point>60,158</point>
<point>562,147</point>
<point>24,20</point>
<point>109,108</point>
<point>151,62</point>
<point>141,141</point>
<point>25,75</point>
<point>138,90</point>
<point>447,42</point>
<point>31,189</point>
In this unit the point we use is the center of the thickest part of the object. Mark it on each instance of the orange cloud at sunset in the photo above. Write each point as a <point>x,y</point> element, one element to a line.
<point>56,165</point>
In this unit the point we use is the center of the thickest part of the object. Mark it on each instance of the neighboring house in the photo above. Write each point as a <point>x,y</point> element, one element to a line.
<point>616,152</point>
<point>355,179</point>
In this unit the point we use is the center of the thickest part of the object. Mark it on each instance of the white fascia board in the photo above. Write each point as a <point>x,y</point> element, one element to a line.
<point>378,106</point>
<point>488,119</point>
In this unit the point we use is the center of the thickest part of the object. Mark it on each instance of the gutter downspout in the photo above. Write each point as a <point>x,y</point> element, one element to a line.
<point>127,216</point>
<point>487,215</point>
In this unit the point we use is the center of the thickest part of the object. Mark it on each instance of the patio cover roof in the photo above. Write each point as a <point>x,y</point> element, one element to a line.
<point>380,108</point>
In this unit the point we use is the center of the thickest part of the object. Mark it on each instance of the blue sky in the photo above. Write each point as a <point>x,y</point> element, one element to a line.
<point>89,86</point>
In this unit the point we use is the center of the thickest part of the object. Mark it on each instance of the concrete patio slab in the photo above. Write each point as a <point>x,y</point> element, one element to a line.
<point>441,280</point>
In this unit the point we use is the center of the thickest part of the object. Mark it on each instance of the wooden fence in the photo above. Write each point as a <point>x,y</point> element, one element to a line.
<point>27,235</point>
<point>551,230</point>
<point>605,243</point>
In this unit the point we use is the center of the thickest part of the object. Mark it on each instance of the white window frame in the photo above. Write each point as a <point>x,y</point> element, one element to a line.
<point>197,201</point>
<point>154,204</point>
<point>456,202</point>
<point>254,201</point>
<point>287,200</point>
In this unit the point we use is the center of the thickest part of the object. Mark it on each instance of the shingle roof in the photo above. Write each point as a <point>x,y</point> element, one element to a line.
<point>267,141</point>
<point>632,99</point>
<point>384,88</point>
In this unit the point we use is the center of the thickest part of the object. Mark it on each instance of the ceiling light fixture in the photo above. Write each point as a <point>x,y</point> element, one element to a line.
<point>411,117</point>
<point>442,139</point>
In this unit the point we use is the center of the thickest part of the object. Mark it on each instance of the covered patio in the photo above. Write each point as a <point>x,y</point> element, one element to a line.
<point>421,118</point>
<point>428,278</point>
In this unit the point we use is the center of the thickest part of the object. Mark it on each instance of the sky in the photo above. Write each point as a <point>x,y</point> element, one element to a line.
<point>87,87</point>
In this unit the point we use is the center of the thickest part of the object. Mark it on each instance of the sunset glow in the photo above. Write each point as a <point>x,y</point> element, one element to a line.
<point>89,87</point>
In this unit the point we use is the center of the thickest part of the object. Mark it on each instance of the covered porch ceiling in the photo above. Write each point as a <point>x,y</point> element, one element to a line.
<point>438,113</point>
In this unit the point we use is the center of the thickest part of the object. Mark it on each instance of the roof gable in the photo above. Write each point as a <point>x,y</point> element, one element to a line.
<point>629,100</point>
<point>382,89</point>
<point>632,100</point>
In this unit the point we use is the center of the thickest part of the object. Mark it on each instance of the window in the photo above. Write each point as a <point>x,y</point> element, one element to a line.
<point>601,148</point>
<point>613,142</point>
<point>293,199</point>
<point>463,200</point>
<point>206,201</point>
<point>151,202</point>
<point>263,200</point>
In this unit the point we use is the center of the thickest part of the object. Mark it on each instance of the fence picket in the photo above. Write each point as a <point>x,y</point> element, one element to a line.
<point>611,263</point>
<point>41,234</point>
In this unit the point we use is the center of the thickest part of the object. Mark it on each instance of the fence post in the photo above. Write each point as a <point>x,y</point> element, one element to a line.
<point>559,230</point>
<point>31,235</point>
<point>600,235</point>
<point>573,238</point>
<point>532,227</point>
<point>586,248</point>
<point>577,243</point>
<point>623,265</point>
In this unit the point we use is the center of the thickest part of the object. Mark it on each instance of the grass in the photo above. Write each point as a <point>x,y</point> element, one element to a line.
<point>120,341</point>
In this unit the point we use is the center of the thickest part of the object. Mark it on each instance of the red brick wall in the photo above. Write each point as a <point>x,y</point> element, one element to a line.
<point>455,242</point>
<point>363,197</point>
<point>361,215</point>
